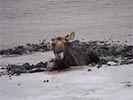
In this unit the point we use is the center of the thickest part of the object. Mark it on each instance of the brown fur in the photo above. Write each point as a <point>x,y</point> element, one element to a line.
<point>74,53</point>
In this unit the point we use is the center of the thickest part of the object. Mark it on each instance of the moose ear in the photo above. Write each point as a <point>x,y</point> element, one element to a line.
<point>49,46</point>
<point>70,36</point>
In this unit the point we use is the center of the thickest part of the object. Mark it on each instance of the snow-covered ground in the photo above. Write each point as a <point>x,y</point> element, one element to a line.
<point>76,83</point>
<point>28,21</point>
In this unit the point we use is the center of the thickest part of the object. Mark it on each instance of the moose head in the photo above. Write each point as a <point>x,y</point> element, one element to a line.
<point>58,45</point>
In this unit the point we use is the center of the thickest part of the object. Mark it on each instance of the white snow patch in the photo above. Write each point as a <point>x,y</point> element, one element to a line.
<point>106,83</point>
<point>31,58</point>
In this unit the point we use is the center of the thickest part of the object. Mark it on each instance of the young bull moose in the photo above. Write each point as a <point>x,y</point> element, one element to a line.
<point>70,53</point>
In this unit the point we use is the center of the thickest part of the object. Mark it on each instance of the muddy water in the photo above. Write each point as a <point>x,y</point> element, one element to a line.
<point>25,21</point>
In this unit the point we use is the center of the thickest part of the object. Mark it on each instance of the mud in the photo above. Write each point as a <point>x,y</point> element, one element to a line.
<point>25,49</point>
<point>118,53</point>
<point>25,68</point>
<point>109,53</point>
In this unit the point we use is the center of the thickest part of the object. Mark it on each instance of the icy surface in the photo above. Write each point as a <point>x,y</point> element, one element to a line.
<point>26,21</point>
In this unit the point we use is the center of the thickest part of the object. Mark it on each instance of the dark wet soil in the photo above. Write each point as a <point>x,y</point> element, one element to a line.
<point>118,53</point>
<point>25,49</point>
<point>25,68</point>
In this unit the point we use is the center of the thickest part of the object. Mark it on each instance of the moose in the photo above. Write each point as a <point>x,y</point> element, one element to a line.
<point>70,53</point>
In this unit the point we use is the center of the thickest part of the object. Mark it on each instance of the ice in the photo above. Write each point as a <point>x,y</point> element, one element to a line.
<point>28,21</point>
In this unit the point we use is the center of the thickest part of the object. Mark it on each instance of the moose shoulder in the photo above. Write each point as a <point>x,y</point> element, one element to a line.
<point>71,53</point>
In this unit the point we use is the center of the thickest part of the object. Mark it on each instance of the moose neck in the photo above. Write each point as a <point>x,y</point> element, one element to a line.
<point>68,55</point>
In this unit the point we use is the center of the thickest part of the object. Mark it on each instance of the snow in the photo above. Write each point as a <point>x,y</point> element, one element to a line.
<point>31,58</point>
<point>76,83</point>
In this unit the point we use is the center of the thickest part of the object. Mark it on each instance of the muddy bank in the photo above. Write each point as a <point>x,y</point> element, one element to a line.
<point>109,53</point>
<point>119,53</point>
<point>25,49</point>
<point>25,68</point>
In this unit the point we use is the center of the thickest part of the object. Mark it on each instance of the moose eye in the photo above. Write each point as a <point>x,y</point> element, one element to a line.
<point>53,44</point>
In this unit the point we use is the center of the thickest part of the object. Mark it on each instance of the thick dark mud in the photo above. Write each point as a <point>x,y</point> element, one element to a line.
<point>118,54</point>
<point>25,49</point>
<point>26,68</point>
